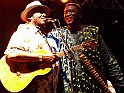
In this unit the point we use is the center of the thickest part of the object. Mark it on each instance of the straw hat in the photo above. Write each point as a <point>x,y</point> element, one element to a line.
<point>33,5</point>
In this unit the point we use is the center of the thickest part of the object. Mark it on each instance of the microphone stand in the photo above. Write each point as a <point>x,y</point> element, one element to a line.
<point>70,54</point>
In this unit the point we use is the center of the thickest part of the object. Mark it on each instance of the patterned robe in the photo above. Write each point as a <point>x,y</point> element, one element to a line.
<point>73,72</point>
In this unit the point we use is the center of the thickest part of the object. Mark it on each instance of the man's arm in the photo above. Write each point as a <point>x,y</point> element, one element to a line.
<point>113,70</point>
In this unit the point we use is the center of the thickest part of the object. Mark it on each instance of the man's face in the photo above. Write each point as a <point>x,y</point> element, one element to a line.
<point>70,14</point>
<point>39,18</point>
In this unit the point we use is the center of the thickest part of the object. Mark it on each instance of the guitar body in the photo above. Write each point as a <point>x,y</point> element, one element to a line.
<point>15,76</point>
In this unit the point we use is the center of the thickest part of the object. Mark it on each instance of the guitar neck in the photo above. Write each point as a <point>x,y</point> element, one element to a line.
<point>72,49</point>
<point>87,45</point>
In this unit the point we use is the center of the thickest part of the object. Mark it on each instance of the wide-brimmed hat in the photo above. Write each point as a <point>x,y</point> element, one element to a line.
<point>33,5</point>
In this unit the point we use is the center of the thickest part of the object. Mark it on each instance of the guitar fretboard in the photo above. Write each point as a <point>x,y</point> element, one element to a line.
<point>88,45</point>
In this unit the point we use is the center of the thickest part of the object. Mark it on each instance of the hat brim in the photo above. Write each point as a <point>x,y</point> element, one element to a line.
<point>26,11</point>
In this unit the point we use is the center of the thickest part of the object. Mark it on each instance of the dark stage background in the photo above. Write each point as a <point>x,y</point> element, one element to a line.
<point>109,16</point>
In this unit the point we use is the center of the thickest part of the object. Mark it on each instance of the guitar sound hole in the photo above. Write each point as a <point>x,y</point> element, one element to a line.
<point>32,66</point>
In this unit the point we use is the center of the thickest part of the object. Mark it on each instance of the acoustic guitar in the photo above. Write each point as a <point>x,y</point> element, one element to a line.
<point>15,76</point>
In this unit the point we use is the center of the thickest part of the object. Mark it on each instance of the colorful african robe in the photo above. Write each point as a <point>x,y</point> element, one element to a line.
<point>73,74</point>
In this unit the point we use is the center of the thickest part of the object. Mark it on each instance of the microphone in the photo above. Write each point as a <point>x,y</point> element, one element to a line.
<point>51,20</point>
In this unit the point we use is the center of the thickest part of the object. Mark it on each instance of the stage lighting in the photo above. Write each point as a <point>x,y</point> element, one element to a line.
<point>64,1</point>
